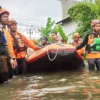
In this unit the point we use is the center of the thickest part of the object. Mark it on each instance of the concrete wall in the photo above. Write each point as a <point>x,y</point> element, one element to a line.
<point>68,28</point>
<point>66,4</point>
<point>68,25</point>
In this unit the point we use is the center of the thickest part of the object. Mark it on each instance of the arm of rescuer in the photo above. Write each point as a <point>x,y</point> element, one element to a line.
<point>84,42</point>
<point>10,48</point>
<point>29,43</point>
<point>81,51</point>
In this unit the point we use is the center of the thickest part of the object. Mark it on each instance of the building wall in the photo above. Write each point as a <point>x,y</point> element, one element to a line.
<point>66,4</point>
<point>69,27</point>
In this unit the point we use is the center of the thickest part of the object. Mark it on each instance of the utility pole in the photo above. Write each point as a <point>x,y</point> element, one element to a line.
<point>30,33</point>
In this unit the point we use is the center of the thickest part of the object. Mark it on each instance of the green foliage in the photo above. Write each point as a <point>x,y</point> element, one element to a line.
<point>59,29</point>
<point>83,13</point>
<point>56,29</point>
<point>62,33</point>
<point>50,27</point>
<point>38,41</point>
<point>46,30</point>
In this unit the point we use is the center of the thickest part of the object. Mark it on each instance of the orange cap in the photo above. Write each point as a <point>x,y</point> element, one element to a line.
<point>2,10</point>
<point>76,35</point>
<point>12,21</point>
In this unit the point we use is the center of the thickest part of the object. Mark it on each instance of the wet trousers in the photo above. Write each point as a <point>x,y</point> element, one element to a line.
<point>94,62</point>
<point>21,66</point>
<point>3,69</point>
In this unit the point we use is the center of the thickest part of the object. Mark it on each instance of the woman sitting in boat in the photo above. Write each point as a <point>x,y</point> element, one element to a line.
<point>44,41</point>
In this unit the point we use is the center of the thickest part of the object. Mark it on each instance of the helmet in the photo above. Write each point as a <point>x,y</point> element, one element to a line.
<point>2,10</point>
<point>94,22</point>
<point>12,21</point>
<point>76,35</point>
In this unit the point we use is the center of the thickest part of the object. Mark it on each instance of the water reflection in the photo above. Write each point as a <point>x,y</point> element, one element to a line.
<point>56,86</point>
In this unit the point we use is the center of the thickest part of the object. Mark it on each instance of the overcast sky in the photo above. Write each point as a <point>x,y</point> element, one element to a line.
<point>36,10</point>
<point>33,12</point>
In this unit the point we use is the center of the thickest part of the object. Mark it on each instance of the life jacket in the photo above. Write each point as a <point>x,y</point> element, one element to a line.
<point>76,43</point>
<point>18,44</point>
<point>80,51</point>
<point>3,46</point>
<point>93,43</point>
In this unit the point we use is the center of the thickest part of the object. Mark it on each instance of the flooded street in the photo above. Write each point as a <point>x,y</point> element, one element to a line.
<point>49,35</point>
<point>55,86</point>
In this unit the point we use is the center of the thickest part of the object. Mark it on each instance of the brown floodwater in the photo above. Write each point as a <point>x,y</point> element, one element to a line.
<point>76,85</point>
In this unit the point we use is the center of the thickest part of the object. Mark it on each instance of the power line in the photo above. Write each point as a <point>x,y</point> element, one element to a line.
<point>28,18</point>
<point>29,23</point>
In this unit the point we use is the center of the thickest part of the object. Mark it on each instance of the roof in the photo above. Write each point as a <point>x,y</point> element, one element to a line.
<point>65,19</point>
<point>65,8</point>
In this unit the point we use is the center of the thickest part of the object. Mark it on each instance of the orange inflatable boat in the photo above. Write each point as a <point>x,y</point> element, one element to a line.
<point>55,57</point>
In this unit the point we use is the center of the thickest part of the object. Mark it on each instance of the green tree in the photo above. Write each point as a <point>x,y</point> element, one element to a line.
<point>51,27</point>
<point>46,30</point>
<point>83,13</point>
<point>59,29</point>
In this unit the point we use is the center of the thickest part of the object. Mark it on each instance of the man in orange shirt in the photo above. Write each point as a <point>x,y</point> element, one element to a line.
<point>6,47</point>
<point>20,43</point>
<point>76,42</point>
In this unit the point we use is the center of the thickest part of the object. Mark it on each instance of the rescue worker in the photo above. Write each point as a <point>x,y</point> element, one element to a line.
<point>76,42</point>
<point>55,38</point>
<point>92,47</point>
<point>6,47</point>
<point>19,44</point>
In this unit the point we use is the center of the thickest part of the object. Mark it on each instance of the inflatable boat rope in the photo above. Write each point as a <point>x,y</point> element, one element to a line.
<point>55,54</point>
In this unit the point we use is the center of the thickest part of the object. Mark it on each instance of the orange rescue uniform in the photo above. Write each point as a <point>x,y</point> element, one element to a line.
<point>28,43</point>
<point>80,51</point>
<point>91,55</point>
<point>9,43</point>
